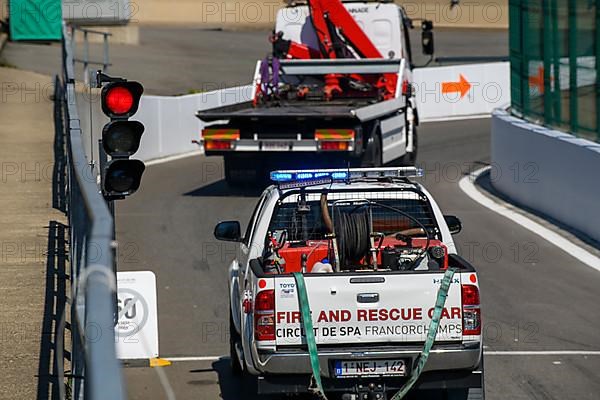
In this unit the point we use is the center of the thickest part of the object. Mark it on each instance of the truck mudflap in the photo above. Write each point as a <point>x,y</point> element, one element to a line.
<point>316,385</point>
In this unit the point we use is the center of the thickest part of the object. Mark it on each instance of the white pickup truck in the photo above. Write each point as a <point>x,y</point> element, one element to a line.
<point>372,249</point>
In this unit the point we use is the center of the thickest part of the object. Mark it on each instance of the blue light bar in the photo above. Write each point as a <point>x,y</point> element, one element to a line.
<point>277,176</point>
<point>345,174</point>
<point>304,175</point>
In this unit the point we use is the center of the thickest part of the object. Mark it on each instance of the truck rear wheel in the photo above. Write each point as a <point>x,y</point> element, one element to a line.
<point>234,338</point>
<point>240,171</point>
<point>465,394</point>
<point>472,393</point>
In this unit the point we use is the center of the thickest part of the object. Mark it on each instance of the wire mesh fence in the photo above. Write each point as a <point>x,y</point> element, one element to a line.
<point>554,73</point>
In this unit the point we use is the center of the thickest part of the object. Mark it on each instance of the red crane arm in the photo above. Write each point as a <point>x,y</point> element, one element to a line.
<point>331,20</point>
<point>339,17</point>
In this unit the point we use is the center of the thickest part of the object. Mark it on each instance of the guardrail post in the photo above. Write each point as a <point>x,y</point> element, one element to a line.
<point>86,57</point>
<point>106,61</point>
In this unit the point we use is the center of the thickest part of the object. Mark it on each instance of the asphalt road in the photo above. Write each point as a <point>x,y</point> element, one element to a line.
<point>535,297</point>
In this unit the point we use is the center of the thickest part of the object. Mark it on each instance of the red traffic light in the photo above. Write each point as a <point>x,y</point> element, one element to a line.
<point>120,99</point>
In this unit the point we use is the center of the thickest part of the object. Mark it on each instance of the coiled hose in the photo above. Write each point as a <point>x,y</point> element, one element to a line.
<point>352,234</point>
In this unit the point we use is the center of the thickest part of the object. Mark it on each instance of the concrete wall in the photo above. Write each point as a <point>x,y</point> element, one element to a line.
<point>170,122</point>
<point>261,13</point>
<point>547,170</point>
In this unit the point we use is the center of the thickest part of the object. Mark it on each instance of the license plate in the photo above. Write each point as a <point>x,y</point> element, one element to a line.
<point>276,146</point>
<point>370,368</point>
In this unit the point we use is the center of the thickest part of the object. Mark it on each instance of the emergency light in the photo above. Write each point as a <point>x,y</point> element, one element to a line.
<point>342,175</point>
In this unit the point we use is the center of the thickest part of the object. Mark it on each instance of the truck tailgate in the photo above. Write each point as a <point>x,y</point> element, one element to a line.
<point>246,111</point>
<point>368,309</point>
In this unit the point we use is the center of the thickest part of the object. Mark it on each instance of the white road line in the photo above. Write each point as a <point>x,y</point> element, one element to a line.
<point>199,358</point>
<point>543,353</point>
<point>162,160</point>
<point>466,184</point>
<point>486,352</point>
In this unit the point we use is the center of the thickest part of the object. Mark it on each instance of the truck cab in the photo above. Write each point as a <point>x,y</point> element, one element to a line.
<point>373,249</point>
<point>385,24</point>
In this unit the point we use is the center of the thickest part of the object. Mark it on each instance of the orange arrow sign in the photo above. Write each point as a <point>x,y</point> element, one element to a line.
<point>462,86</point>
<point>538,80</point>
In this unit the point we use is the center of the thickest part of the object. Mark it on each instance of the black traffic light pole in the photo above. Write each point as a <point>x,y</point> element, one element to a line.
<point>103,158</point>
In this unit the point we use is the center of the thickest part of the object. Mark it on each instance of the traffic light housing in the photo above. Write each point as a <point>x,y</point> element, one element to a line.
<point>121,176</point>
<point>121,139</point>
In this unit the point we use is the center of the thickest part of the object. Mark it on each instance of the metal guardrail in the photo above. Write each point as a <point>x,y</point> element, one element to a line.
<point>96,370</point>
<point>105,63</point>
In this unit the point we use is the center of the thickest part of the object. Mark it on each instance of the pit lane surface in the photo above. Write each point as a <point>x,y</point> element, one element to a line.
<point>535,297</point>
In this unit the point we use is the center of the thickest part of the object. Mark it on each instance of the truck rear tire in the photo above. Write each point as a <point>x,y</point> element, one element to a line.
<point>234,337</point>
<point>465,394</point>
<point>240,171</point>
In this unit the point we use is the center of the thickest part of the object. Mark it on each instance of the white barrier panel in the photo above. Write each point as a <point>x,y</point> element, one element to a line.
<point>548,171</point>
<point>461,91</point>
<point>171,122</point>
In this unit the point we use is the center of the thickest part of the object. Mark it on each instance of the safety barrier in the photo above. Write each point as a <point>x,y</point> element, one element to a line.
<point>442,93</point>
<point>461,91</point>
<point>171,122</point>
<point>549,171</point>
<point>96,371</point>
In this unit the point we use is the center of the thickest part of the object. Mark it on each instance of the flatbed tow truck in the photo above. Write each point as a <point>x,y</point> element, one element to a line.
<point>336,90</point>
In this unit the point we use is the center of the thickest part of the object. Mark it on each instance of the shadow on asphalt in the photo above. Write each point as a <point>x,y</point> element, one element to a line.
<point>54,307</point>
<point>56,276</point>
<point>233,387</point>
<point>59,174</point>
<point>222,189</point>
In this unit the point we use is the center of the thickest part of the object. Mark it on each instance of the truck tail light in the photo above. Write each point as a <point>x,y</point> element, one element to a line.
<point>264,315</point>
<point>335,139</point>
<point>471,310</point>
<point>220,139</point>
<point>218,145</point>
<point>334,146</point>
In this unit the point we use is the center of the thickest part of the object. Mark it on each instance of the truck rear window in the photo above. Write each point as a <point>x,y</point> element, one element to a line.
<point>308,224</point>
<point>340,231</point>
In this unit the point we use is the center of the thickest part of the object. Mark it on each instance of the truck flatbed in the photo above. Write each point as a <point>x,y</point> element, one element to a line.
<point>361,110</point>
<point>287,109</point>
